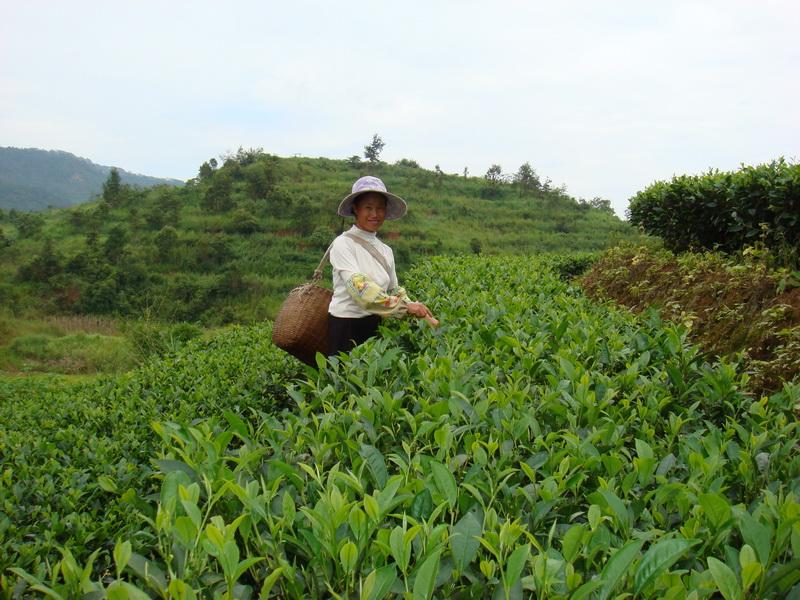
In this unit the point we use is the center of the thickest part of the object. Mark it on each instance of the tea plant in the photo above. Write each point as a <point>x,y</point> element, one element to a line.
<point>535,445</point>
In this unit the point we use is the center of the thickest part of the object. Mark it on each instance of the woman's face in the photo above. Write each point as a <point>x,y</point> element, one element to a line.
<point>370,211</point>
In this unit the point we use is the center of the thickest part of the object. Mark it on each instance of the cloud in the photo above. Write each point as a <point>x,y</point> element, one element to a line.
<point>602,97</point>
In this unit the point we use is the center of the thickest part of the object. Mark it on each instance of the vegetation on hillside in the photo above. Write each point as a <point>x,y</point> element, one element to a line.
<point>736,307</point>
<point>725,211</point>
<point>535,444</point>
<point>229,245</point>
<point>33,179</point>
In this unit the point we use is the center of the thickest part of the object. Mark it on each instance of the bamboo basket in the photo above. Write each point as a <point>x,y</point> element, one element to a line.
<point>301,327</point>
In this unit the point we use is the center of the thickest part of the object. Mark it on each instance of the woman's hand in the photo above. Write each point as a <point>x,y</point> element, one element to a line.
<point>419,310</point>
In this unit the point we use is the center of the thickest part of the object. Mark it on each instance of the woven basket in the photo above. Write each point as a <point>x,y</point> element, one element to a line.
<point>301,327</point>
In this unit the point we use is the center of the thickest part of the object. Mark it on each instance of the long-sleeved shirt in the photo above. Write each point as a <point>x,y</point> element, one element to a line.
<point>361,286</point>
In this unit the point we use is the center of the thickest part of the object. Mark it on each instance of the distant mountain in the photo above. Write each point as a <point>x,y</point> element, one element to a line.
<point>33,179</point>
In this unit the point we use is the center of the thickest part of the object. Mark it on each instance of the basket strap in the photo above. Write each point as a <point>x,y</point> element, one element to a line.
<point>373,251</point>
<point>318,271</point>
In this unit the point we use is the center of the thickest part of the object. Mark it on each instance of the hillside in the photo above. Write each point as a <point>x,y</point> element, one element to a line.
<point>230,244</point>
<point>738,307</point>
<point>33,179</point>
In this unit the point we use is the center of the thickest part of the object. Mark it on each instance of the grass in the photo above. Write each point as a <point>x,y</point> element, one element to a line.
<point>69,354</point>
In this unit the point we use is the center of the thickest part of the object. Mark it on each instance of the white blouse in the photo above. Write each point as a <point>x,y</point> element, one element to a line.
<point>348,258</point>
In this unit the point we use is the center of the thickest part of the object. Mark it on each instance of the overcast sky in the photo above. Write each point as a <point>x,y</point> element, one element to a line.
<point>603,97</point>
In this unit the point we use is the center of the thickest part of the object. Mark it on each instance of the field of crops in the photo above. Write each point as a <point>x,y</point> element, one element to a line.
<point>535,445</point>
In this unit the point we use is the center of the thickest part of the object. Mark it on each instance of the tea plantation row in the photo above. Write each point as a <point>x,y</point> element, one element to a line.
<point>535,445</point>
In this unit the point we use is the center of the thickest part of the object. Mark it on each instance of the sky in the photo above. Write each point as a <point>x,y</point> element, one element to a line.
<point>602,97</point>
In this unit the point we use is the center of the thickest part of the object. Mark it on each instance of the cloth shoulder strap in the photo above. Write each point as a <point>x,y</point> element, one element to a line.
<point>372,250</point>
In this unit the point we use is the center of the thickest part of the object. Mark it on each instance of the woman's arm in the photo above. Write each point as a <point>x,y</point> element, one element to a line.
<point>370,297</point>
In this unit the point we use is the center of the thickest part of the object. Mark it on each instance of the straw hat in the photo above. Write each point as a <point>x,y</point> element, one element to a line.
<point>395,206</point>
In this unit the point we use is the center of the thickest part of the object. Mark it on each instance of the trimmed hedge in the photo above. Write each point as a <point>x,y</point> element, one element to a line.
<point>723,210</point>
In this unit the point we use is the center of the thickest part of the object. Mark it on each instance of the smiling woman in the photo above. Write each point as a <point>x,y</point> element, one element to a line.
<point>365,287</point>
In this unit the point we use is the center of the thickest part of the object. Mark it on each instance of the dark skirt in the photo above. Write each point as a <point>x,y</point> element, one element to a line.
<point>345,334</point>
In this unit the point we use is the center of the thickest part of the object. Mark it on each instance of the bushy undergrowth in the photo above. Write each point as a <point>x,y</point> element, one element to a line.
<point>536,444</point>
<point>733,306</point>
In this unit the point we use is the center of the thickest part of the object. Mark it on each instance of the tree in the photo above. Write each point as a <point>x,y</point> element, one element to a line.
<point>29,224</point>
<point>112,188</point>
<point>165,241</point>
<point>439,176</point>
<point>526,179</point>
<point>373,150</point>
<point>494,178</point>
<point>115,244</point>
<point>218,196</point>
<point>261,177</point>
<point>601,204</point>
<point>205,172</point>
<point>407,162</point>
<point>44,265</point>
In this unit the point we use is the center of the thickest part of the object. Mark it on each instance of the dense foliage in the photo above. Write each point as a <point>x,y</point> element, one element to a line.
<point>740,308</point>
<point>536,443</point>
<point>61,444</point>
<point>724,210</point>
<point>33,179</point>
<point>229,245</point>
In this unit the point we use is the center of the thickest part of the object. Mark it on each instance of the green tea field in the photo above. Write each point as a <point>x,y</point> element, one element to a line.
<point>536,445</point>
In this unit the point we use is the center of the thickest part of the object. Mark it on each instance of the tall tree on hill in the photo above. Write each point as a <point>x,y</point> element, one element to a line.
<point>527,180</point>
<point>112,188</point>
<point>218,196</point>
<point>115,244</point>
<point>373,150</point>
<point>494,178</point>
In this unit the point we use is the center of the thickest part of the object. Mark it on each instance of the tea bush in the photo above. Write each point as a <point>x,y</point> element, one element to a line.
<point>724,210</point>
<point>62,446</point>
<point>536,444</point>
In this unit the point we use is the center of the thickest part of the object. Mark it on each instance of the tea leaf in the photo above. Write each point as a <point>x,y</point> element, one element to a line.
<point>269,583</point>
<point>445,482</point>
<point>617,566</point>
<point>122,554</point>
<point>716,508</point>
<point>348,555</point>
<point>585,590</point>
<point>376,464</point>
<point>379,583</point>
<point>422,506</point>
<point>572,542</point>
<point>107,484</point>
<point>658,559</point>
<point>725,579</point>
<point>757,535</point>
<point>618,508</point>
<point>516,563</point>
<point>426,577</point>
<point>464,542</point>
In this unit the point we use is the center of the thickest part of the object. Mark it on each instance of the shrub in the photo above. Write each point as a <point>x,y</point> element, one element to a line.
<point>728,211</point>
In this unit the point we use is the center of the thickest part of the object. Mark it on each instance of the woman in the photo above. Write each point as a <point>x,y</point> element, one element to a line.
<point>365,285</point>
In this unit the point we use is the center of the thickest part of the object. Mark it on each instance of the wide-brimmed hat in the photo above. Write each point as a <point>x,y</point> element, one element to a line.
<point>395,206</point>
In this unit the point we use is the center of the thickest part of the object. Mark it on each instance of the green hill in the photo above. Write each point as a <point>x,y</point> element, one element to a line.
<point>33,179</point>
<point>228,246</point>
